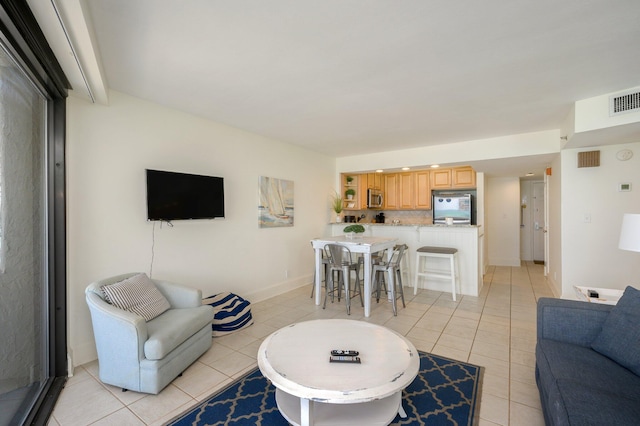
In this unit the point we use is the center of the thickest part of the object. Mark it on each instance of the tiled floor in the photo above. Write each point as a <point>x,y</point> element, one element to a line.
<point>495,330</point>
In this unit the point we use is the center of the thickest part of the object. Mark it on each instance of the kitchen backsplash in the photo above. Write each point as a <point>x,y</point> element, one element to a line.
<point>418,217</point>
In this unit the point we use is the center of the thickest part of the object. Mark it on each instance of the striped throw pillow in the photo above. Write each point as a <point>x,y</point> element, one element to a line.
<point>137,294</point>
<point>230,313</point>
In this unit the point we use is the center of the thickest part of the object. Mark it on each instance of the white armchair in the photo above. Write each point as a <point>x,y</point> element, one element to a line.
<point>146,356</point>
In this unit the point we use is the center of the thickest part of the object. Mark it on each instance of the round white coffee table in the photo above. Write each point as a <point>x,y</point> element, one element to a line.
<point>310,390</point>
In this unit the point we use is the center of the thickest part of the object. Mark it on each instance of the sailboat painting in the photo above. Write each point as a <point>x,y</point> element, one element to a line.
<point>276,202</point>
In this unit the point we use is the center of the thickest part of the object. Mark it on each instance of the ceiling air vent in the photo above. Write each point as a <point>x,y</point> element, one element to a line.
<point>627,102</point>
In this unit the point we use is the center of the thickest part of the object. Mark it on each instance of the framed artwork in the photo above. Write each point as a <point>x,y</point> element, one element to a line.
<point>276,202</point>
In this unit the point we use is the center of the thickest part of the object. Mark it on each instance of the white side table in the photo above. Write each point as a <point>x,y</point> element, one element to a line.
<point>312,391</point>
<point>606,296</point>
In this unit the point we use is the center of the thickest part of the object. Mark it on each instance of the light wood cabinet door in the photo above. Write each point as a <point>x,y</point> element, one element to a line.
<point>440,178</point>
<point>363,185</point>
<point>463,177</point>
<point>423,190</point>
<point>375,181</point>
<point>406,190</point>
<point>391,195</point>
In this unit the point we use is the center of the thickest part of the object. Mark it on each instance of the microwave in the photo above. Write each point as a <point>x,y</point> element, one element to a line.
<point>374,199</point>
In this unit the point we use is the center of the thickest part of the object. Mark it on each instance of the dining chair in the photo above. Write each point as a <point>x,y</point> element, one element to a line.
<point>325,261</point>
<point>329,278</point>
<point>341,263</point>
<point>394,274</point>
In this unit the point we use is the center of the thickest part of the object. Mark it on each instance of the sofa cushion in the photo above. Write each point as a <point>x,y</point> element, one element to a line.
<point>564,361</point>
<point>172,328</point>
<point>588,406</point>
<point>620,335</point>
<point>579,386</point>
<point>137,294</point>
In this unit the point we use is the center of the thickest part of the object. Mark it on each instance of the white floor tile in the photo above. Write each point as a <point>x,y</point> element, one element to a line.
<point>494,409</point>
<point>495,385</point>
<point>71,408</point>
<point>153,407</point>
<point>522,415</point>
<point>121,417</point>
<point>495,330</point>
<point>198,379</point>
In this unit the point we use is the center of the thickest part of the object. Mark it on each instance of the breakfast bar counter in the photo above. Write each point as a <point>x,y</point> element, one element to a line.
<point>468,239</point>
<point>365,245</point>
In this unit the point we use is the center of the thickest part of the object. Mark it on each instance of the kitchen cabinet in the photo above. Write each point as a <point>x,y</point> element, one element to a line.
<point>391,195</point>
<point>463,177</point>
<point>399,191</point>
<point>363,185</point>
<point>406,190</point>
<point>453,178</point>
<point>375,181</point>
<point>441,179</point>
<point>422,200</point>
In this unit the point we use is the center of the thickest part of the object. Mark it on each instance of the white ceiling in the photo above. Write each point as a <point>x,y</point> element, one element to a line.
<point>345,77</point>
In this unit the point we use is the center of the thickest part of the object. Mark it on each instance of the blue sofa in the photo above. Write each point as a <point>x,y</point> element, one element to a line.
<point>578,383</point>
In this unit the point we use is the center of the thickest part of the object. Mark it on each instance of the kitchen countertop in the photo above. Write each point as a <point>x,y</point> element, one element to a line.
<point>439,225</point>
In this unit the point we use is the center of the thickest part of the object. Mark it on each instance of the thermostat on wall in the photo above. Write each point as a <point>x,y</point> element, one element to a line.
<point>624,187</point>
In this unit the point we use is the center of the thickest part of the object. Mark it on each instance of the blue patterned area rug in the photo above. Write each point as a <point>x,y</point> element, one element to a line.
<point>445,392</point>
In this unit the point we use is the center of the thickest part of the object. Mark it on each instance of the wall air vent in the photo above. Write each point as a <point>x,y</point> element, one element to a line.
<point>589,159</point>
<point>623,103</point>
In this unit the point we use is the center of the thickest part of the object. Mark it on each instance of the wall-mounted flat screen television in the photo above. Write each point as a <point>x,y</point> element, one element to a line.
<point>181,196</point>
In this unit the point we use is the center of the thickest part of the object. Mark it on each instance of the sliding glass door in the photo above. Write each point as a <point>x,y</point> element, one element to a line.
<point>32,220</point>
<point>23,237</point>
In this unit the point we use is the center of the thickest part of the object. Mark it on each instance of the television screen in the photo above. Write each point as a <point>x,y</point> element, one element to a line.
<point>176,196</point>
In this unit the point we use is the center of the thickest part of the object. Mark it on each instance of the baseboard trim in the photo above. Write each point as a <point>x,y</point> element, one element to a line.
<point>505,262</point>
<point>279,288</point>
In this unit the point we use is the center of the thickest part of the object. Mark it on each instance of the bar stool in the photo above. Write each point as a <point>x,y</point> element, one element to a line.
<point>340,261</point>
<point>325,265</point>
<point>405,264</point>
<point>392,268</point>
<point>437,252</point>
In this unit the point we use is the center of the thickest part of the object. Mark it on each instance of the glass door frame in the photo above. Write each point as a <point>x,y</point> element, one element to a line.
<point>21,36</point>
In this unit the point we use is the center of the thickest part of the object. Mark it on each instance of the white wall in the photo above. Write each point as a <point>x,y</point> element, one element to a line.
<point>593,113</point>
<point>108,149</point>
<point>462,153</point>
<point>590,254</point>
<point>502,213</point>
<point>554,226</point>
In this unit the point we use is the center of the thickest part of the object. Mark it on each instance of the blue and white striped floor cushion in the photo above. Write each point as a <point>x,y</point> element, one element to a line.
<point>231,313</point>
